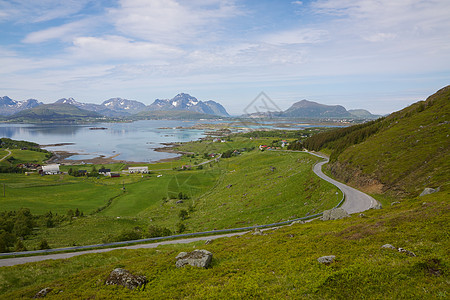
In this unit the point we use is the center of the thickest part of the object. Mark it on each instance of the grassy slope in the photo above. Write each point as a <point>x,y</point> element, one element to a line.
<point>281,264</point>
<point>255,200</point>
<point>408,152</point>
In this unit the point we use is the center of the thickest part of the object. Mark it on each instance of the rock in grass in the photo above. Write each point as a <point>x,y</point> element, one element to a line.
<point>196,258</point>
<point>428,191</point>
<point>401,250</point>
<point>334,214</point>
<point>42,293</point>
<point>297,222</point>
<point>124,278</point>
<point>326,259</point>
<point>388,246</point>
<point>407,252</point>
<point>377,206</point>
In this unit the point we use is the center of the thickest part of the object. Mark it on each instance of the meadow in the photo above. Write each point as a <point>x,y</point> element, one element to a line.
<point>280,264</point>
<point>249,188</point>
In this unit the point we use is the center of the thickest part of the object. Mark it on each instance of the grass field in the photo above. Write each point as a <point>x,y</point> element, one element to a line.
<point>281,264</point>
<point>252,188</point>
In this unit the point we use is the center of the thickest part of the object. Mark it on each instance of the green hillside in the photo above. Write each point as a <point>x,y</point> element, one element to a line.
<point>402,153</point>
<point>57,112</point>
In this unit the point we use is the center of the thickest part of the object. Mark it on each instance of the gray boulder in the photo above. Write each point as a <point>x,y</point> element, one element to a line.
<point>407,252</point>
<point>196,258</point>
<point>42,293</point>
<point>428,191</point>
<point>377,206</point>
<point>297,222</point>
<point>334,214</point>
<point>326,259</point>
<point>388,246</point>
<point>125,278</point>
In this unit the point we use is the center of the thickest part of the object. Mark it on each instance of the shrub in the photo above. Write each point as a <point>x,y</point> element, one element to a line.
<point>43,245</point>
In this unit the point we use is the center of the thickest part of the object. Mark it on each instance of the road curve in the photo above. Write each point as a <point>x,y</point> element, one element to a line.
<point>355,201</point>
<point>9,153</point>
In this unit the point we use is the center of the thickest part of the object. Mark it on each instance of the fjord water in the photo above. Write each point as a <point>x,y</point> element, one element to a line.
<point>134,141</point>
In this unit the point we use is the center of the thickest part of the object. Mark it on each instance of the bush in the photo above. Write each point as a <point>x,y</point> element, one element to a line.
<point>183,214</point>
<point>157,231</point>
<point>44,245</point>
<point>19,246</point>
<point>181,228</point>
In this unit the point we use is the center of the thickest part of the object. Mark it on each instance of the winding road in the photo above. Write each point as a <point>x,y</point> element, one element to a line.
<point>355,201</point>
<point>9,153</point>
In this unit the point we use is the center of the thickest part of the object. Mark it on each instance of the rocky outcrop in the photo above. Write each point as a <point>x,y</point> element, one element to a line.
<point>196,258</point>
<point>125,278</point>
<point>334,214</point>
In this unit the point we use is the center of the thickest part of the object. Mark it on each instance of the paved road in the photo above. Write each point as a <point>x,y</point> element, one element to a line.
<point>9,153</point>
<point>355,201</point>
<point>23,260</point>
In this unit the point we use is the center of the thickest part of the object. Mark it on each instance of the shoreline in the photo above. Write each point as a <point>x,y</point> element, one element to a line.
<point>61,157</point>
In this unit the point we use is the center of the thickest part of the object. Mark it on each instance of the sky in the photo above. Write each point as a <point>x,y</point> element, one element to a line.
<point>380,55</point>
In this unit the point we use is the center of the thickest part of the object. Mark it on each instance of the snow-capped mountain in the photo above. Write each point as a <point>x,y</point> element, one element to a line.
<point>124,105</point>
<point>118,107</point>
<point>9,106</point>
<point>114,107</point>
<point>187,102</point>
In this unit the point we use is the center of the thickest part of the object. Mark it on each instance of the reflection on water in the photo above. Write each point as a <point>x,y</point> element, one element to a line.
<point>132,141</point>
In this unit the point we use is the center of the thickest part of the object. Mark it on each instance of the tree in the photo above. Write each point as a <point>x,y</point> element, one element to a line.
<point>23,225</point>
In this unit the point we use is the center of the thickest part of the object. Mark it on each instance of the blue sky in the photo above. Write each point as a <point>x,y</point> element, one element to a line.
<point>381,55</point>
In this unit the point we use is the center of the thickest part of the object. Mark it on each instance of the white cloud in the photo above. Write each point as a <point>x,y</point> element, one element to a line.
<point>296,36</point>
<point>379,37</point>
<point>169,21</point>
<point>120,48</point>
<point>65,32</point>
<point>26,11</point>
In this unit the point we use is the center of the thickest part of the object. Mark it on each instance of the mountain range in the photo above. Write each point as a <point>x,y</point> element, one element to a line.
<point>118,107</point>
<point>312,110</point>
<point>181,106</point>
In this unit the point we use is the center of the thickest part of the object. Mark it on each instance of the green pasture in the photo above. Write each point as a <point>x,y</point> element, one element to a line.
<point>281,264</point>
<point>22,156</point>
<point>57,193</point>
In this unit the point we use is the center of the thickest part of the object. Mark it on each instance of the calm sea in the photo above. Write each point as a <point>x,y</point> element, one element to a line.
<point>132,141</point>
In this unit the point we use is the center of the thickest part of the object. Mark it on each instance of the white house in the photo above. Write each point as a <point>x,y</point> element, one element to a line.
<point>132,170</point>
<point>50,169</point>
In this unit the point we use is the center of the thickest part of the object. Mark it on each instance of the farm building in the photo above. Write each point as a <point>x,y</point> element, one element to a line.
<point>104,171</point>
<point>50,169</point>
<point>138,170</point>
